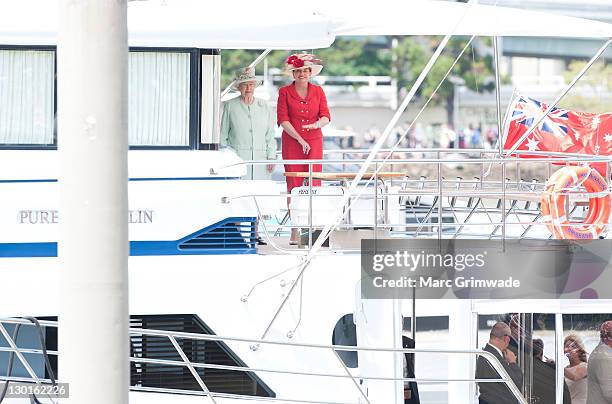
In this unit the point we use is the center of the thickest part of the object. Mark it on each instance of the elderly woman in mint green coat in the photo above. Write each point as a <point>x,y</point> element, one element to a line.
<point>248,125</point>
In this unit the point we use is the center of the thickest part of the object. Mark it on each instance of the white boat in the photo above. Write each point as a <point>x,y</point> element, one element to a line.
<point>212,313</point>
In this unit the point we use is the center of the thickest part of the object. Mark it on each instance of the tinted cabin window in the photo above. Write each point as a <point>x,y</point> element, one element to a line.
<point>199,351</point>
<point>151,375</point>
<point>25,337</point>
<point>345,333</point>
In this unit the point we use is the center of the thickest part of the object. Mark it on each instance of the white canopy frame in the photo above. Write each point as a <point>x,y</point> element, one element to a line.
<point>275,25</point>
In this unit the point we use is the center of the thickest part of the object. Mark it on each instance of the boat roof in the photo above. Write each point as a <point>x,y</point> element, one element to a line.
<point>278,25</point>
<point>179,24</point>
<point>423,17</point>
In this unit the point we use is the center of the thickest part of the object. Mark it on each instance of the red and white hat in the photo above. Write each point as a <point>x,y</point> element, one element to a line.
<point>302,60</point>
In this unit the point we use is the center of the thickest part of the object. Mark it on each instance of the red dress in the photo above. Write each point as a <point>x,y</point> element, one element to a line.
<point>301,111</point>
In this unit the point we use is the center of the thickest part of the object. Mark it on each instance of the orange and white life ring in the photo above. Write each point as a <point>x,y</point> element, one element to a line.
<point>554,198</point>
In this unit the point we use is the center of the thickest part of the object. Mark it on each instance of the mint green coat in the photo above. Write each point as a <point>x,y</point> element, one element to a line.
<point>249,130</point>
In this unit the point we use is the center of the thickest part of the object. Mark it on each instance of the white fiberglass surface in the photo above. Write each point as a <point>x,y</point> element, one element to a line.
<point>176,23</point>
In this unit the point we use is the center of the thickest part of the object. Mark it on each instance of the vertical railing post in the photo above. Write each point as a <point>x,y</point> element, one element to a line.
<point>440,184</point>
<point>309,206</point>
<point>503,209</point>
<point>559,374</point>
<point>482,154</point>
<point>192,369</point>
<point>348,372</point>
<point>500,135</point>
<point>375,200</point>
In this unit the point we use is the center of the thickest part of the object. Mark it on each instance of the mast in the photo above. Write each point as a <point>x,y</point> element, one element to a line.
<point>93,248</point>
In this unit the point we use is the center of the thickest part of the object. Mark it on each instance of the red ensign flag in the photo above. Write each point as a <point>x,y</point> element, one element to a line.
<point>562,130</point>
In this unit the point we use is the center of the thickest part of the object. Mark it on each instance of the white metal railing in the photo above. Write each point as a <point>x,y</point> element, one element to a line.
<point>255,344</point>
<point>438,206</point>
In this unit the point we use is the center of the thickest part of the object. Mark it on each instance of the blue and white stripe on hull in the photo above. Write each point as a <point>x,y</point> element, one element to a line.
<point>233,235</point>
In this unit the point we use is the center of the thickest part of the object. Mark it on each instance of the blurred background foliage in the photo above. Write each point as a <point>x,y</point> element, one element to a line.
<point>598,82</point>
<point>403,58</point>
<point>346,57</point>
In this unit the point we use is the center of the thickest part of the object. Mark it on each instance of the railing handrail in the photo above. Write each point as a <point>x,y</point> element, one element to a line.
<point>173,335</point>
<point>456,197</point>
<point>424,160</point>
<point>211,337</point>
<point>461,151</point>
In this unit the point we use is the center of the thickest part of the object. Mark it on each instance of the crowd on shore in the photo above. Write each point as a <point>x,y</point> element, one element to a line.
<point>421,136</point>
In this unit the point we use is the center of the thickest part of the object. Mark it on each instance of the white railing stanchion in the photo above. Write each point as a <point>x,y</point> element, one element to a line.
<point>375,201</point>
<point>348,372</point>
<point>193,371</point>
<point>309,206</point>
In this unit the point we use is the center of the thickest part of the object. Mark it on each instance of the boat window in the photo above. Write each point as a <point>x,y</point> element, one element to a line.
<point>150,376</point>
<point>211,76</point>
<point>345,333</point>
<point>27,107</point>
<point>26,337</point>
<point>586,328</point>
<point>533,343</point>
<point>159,98</point>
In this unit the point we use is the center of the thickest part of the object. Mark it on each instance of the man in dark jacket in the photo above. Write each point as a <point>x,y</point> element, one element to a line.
<point>544,389</point>
<point>498,393</point>
<point>411,391</point>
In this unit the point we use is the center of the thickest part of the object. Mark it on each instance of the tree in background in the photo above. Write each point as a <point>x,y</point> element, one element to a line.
<point>474,69</point>
<point>409,56</point>
<point>596,82</point>
<point>356,57</point>
<point>404,61</point>
<point>232,60</point>
<point>347,57</point>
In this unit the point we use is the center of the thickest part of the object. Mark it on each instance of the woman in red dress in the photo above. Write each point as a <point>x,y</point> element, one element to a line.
<point>302,111</point>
